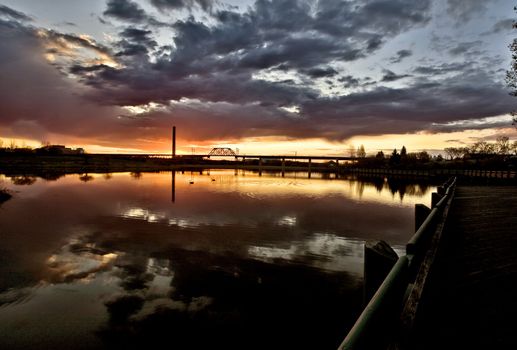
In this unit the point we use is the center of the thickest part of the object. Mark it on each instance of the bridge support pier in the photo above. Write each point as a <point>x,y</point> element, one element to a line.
<point>309,172</point>
<point>260,166</point>
<point>283,167</point>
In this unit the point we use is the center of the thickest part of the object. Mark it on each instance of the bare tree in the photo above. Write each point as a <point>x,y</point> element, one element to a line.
<point>351,151</point>
<point>503,145</point>
<point>456,152</point>
<point>511,74</point>
<point>482,147</point>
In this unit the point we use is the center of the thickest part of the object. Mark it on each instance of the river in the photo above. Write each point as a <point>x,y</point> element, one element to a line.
<point>217,259</point>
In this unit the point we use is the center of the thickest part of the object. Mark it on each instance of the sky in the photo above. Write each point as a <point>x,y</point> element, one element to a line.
<point>272,77</point>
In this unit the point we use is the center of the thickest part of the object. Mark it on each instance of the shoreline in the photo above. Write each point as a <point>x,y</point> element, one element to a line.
<point>55,166</point>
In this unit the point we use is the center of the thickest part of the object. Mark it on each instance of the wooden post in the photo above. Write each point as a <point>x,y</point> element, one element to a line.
<point>260,166</point>
<point>421,213</point>
<point>309,168</point>
<point>435,198</point>
<point>283,167</point>
<point>379,258</point>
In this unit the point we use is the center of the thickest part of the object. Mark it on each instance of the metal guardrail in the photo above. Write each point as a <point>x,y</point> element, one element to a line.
<point>383,309</point>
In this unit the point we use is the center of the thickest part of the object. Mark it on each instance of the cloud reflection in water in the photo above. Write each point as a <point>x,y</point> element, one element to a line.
<point>115,263</point>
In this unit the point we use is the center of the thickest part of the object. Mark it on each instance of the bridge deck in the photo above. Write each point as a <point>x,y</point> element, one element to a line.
<point>472,303</point>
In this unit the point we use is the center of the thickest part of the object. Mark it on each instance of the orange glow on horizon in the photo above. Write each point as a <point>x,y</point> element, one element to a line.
<point>273,145</point>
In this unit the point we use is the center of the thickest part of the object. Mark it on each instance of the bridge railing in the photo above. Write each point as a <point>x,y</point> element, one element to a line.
<point>380,318</point>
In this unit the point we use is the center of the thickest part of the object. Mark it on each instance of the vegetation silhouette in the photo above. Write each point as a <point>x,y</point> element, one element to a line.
<point>511,74</point>
<point>23,180</point>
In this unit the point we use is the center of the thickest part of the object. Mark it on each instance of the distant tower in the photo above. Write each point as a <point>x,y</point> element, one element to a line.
<point>173,142</point>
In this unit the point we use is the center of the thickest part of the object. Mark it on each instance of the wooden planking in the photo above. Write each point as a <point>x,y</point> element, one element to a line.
<point>473,301</point>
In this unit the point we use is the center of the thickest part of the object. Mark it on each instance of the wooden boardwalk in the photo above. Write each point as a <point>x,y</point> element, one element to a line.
<point>471,302</point>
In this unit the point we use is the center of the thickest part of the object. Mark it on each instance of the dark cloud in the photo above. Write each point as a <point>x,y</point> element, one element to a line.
<point>391,76</point>
<point>349,81</point>
<point>37,100</point>
<point>465,10</point>
<point>125,10</point>
<point>464,47</point>
<point>415,107</point>
<point>135,41</point>
<point>129,11</point>
<point>320,72</point>
<point>400,55</point>
<point>504,25</point>
<point>444,68</point>
<point>276,34</point>
<point>206,5</point>
<point>13,14</point>
<point>210,80</point>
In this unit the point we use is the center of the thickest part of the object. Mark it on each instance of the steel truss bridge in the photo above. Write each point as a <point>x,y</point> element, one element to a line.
<point>228,152</point>
<point>222,152</point>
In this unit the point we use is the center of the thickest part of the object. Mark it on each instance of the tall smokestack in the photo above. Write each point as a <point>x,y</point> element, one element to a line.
<point>173,141</point>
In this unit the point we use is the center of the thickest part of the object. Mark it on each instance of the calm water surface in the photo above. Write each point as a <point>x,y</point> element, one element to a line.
<point>229,261</point>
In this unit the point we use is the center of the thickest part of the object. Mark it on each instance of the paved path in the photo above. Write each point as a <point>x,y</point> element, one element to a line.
<point>473,301</point>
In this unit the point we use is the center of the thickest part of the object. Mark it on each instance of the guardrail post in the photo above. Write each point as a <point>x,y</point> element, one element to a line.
<point>435,198</point>
<point>421,213</point>
<point>379,258</point>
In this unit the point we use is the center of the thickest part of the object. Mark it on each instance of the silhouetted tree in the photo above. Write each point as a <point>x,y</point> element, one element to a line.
<point>423,157</point>
<point>456,152</point>
<point>482,147</point>
<point>511,74</point>
<point>502,145</point>
<point>403,152</point>
<point>361,153</point>
<point>395,157</point>
<point>23,180</point>
<point>380,155</point>
<point>86,178</point>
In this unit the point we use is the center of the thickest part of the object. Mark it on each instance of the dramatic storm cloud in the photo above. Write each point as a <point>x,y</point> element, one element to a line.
<point>227,70</point>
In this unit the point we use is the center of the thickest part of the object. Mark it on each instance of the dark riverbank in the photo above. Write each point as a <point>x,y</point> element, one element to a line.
<point>82,163</point>
<point>54,166</point>
<point>4,196</point>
